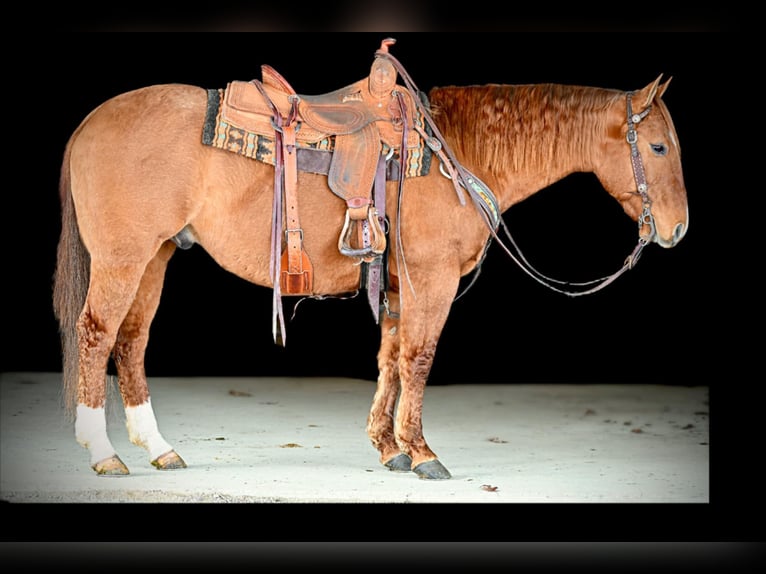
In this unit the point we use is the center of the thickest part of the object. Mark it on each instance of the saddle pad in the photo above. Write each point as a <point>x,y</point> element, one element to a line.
<point>222,133</point>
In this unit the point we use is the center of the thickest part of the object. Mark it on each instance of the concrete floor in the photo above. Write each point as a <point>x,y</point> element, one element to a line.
<point>303,440</point>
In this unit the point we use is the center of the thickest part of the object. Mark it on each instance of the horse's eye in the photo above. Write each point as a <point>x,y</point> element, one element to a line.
<point>659,149</point>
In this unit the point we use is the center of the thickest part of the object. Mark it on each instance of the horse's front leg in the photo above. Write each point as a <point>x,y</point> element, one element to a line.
<point>129,353</point>
<point>414,365</point>
<point>421,324</point>
<point>380,422</point>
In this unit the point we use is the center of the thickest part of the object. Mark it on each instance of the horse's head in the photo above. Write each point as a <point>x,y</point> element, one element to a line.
<point>642,165</point>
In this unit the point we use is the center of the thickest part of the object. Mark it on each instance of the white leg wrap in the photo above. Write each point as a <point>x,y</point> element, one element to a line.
<point>90,432</point>
<point>143,430</point>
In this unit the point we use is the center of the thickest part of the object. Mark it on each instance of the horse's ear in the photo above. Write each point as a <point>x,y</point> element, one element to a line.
<point>663,87</point>
<point>652,90</point>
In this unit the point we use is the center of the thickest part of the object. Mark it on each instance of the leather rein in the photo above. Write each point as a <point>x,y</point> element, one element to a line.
<point>487,205</point>
<point>646,218</point>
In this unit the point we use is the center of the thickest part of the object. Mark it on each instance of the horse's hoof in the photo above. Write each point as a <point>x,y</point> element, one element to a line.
<point>432,470</point>
<point>169,461</point>
<point>400,463</point>
<point>111,466</point>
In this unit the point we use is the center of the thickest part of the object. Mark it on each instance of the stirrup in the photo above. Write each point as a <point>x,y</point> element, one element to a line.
<point>368,230</point>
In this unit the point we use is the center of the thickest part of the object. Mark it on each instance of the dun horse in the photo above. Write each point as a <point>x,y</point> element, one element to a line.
<point>374,187</point>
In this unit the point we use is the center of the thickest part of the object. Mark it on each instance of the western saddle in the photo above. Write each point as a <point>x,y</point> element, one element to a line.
<point>359,136</point>
<point>363,125</point>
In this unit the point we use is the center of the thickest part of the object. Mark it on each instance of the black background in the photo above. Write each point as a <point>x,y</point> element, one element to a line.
<point>656,324</point>
<point>681,317</point>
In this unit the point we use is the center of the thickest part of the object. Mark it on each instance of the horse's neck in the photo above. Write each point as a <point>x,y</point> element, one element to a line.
<point>520,139</point>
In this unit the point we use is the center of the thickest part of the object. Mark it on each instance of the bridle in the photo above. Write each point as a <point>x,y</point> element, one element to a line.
<point>487,206</point>
<point>646,218</point>
<point>642,187</point>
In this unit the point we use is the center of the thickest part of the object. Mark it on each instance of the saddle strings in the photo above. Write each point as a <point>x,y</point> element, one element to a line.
<point>278,330</point>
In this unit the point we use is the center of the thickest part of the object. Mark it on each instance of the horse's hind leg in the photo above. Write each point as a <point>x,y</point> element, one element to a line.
<point>128,354</point>
<point>380,422</point>
<point>110,295</point>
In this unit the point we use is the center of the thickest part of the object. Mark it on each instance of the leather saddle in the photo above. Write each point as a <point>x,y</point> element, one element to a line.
<point>361,126</point>
<point>356,108</point>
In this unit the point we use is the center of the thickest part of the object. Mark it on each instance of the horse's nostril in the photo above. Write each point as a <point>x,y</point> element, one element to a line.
<point>679,232</point>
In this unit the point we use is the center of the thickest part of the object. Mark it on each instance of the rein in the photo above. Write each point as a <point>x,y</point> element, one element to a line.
<point>486,203</point>
<point>646,218</point>
<point>483,198</point>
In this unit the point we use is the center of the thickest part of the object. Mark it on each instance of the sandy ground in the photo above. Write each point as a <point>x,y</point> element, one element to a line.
<point>304,440</point>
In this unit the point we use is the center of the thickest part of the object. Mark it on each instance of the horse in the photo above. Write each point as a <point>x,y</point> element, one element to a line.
<point>137,183</point>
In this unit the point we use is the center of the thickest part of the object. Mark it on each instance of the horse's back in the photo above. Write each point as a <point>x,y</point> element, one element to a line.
<point>134,165</point>
<point>156,108</point>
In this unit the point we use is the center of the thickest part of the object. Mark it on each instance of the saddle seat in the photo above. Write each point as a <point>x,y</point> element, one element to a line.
<point>342,112</point>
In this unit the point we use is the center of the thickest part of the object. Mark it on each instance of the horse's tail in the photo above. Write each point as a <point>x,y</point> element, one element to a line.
<point>70,284</point>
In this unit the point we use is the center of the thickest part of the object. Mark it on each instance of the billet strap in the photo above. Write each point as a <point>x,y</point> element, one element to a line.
<point>293,231</point>
<point>375,267</point>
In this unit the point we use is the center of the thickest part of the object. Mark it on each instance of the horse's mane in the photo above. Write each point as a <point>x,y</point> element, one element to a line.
<point>521,127</point>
